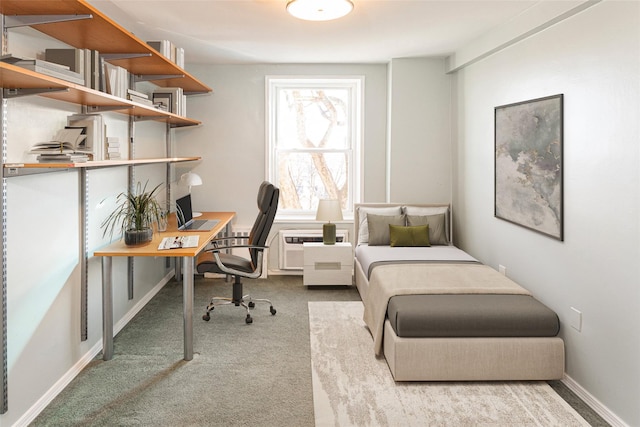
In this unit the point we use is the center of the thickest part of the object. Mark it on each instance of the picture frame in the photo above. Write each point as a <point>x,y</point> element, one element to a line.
<point>529,164</point>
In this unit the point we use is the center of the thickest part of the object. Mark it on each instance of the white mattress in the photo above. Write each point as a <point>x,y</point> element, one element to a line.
<point>368,255</point>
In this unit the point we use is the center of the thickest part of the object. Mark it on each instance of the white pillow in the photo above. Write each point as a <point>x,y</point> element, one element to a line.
<point>430,210</point>
<point>363,226</point>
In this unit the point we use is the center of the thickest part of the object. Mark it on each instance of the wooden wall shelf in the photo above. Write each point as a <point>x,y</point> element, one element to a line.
<point>103,34</point>
<point>20,169</point>
<point>13,78</point>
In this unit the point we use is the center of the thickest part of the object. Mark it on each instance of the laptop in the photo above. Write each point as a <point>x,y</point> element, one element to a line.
<point>184,213</point>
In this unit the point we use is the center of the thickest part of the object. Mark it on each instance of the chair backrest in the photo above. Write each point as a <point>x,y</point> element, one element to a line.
<point>268,196</point>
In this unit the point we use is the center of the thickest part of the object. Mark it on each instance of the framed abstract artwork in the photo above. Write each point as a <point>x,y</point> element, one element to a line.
<point>528,164</point>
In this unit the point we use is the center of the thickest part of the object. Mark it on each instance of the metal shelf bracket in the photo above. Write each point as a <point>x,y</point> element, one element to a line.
<point>16,93</point>
<point>13,21</point>
<point>152,77</point>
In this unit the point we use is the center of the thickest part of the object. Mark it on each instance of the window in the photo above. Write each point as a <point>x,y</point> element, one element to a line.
<point>314,142</point>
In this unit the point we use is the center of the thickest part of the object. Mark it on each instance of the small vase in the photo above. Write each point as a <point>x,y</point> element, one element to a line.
<point>162,223</point>
<point>138,237</point>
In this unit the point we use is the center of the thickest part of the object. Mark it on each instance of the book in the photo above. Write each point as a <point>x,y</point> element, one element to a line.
<point>173,98</point>
<point>72,58</point>
<point>164,48</point>
<point>138,94</point>
<point>178,242</point>
<point>65,141</point>
<point>50,69</point>
<point>63,158</point>
<point>116,80</point>
<point>94,129</point>
<point>143,101</point>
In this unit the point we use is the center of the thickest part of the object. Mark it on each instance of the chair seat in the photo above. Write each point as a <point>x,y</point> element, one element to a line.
<point>206,263</point>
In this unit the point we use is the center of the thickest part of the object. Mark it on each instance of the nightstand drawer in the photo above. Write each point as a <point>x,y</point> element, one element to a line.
<point>327,264</point>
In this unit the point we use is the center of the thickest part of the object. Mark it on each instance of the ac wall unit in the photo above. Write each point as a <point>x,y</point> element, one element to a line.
<point>291,256</point>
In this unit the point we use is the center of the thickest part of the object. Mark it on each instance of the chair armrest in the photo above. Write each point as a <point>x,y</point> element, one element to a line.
<point>256,273</point>
<point>222,239</point>
<point>221,248</point>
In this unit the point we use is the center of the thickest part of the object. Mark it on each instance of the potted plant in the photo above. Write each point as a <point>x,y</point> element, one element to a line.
<point>135,214</point>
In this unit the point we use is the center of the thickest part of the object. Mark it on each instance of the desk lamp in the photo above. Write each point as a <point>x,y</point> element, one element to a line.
<point>329,210</point>
<point>191,179</point>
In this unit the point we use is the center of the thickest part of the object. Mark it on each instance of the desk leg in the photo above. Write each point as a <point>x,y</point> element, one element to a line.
<point>187,306</point>
<point>107,308</point>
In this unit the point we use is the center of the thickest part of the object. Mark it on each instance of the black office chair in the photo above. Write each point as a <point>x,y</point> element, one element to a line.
<point>217,261</point>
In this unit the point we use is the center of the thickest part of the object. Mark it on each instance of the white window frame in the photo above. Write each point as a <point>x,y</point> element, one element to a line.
<point>356,85</point>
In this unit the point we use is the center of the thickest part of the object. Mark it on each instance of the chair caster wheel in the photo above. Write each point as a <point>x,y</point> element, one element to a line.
<point>272,310</point>
<point>249,320</point>
<point>252,304</point>
<point>206,317</point>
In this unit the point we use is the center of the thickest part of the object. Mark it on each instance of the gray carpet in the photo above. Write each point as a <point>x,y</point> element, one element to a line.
<point>257,374</point>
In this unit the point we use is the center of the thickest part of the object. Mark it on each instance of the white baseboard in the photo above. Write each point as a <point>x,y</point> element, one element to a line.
<point>594,403</point>
<point>64,381</point>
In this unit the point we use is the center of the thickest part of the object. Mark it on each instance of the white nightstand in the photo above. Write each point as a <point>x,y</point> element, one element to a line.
<point>327,264</point>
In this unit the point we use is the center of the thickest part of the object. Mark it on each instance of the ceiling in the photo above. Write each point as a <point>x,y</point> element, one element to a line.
<point>261,31</point>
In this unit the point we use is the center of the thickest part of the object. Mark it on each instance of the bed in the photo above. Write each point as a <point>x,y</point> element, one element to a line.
<point>437,314</point>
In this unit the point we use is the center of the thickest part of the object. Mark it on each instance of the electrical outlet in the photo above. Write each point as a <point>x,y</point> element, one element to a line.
<point>576,319</point>
<point>502,269</point>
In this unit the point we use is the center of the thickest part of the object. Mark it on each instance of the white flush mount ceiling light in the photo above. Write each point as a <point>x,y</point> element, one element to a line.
<point>319,10</point>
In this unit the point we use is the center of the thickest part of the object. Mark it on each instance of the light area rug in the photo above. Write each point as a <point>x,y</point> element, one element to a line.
<point>351,387</point>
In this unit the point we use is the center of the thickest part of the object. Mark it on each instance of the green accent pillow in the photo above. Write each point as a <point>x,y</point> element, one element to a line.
<point>409,236</point>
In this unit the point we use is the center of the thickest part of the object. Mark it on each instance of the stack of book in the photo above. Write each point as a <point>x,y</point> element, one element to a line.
<point>139,97</point>
<point>86,62</point>
<point>116,80</point>
<point>63,158</point>
<point>68,145</point>
<point>113,148</point>
<point>51,69</point>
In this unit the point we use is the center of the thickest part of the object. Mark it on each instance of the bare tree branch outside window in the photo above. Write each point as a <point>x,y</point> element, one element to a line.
<point>314,147</point>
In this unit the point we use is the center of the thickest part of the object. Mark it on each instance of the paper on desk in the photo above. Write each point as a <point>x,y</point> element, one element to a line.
<point>177,242</point>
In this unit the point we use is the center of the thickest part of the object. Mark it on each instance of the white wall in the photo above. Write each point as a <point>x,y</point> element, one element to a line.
<point>407,113</point>
<point>232,140</point>
<point>592,58</point>
<point>233,136</point>
<point>43,248</point>
<point>419,153</point>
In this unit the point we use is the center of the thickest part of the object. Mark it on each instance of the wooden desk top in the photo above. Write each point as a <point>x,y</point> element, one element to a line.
<point>151,249</point>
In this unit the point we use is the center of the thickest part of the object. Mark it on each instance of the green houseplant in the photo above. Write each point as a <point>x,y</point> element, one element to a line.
<point>134,215</point>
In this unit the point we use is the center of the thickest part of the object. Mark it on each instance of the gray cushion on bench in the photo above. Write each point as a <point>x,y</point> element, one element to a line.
<point>471,316</point>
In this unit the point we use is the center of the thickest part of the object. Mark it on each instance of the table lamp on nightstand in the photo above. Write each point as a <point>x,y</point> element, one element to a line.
<point>329,210</point>
<point>189,180</point>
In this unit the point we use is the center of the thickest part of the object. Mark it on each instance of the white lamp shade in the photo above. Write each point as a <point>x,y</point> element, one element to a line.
<point>319,10</point>
<point>190,179</point>
<point>329,210</point>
